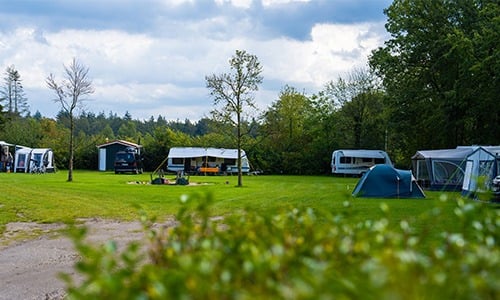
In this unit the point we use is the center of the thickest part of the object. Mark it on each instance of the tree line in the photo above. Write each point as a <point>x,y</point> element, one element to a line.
<point>433,84</point>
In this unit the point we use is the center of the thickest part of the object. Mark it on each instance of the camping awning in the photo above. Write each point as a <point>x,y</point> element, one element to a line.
<point>189,152</point>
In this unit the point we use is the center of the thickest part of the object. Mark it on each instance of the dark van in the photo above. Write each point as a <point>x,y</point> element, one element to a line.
<point>128,161</point>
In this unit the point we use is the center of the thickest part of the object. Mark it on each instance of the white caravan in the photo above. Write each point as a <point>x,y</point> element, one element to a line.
<point>202,160</point>
<point>357,162</point>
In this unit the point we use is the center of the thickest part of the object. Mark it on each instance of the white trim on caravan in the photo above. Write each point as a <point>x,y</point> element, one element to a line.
<point>357,162</point>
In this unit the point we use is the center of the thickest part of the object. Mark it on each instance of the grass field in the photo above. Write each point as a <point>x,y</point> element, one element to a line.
<point>297,237</point>
<point>49,198</point>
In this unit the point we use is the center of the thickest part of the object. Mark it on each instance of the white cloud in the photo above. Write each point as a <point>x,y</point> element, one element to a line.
<point>280,2</point>
<point>236,3</point>
<point>150,73</point>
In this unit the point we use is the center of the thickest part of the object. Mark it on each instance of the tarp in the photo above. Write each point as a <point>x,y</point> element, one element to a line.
<point>384,181</point>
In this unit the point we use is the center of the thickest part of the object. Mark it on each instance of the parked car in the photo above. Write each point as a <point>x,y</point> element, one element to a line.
<point>128,161</point>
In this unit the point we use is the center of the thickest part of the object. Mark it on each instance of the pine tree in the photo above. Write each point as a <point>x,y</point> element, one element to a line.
<point>12,94</point>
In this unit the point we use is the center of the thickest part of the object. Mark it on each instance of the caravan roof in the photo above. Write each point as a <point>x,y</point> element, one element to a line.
<point>186,152</point>
<point>363,153</point>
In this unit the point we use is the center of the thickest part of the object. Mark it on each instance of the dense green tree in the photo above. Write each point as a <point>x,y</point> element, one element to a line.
<point>107,133</point>
<point>324,130</point>
<point>23,131</point>
<point>440,69</point>
<point>127,131</point>
<point>286,133</point>
<point>233,94</point>
<point>358,107</point>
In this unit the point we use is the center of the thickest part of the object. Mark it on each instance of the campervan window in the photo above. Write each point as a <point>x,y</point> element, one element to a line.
<point>177,161</point>
<point>379,161</point>
<point>345,159</point>
<point>367,159</point>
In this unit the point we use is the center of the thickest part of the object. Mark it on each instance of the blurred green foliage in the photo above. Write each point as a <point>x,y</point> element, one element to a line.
<point>296,254</point>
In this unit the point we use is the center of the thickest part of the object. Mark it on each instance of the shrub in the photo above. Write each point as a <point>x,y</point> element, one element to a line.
<point>296,254</point>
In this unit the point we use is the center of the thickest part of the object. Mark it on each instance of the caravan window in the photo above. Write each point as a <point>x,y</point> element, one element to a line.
<point>230,161</point>
<point>345,160</point>
<point>177,161</point>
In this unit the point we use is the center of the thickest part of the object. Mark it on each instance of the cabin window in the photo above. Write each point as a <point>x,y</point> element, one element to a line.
<point>177,161</point>
<point>345,160</point>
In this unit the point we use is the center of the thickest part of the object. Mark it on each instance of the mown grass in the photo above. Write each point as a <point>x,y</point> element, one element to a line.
<point>49,198</point>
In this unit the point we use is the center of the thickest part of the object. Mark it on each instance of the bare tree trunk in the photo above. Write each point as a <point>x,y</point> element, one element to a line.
<point>240,173</point>
<point>71,147</point>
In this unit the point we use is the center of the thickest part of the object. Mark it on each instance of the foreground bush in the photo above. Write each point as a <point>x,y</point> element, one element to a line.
<point>297,254</point>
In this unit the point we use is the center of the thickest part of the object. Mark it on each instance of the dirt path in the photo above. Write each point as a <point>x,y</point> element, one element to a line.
<point>29,267</point>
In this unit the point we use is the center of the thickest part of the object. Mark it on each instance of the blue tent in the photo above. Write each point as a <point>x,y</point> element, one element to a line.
<point>384,181</point>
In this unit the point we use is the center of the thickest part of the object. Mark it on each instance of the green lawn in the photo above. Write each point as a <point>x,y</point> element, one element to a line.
<point>49,198</point>
<point>309,228</point>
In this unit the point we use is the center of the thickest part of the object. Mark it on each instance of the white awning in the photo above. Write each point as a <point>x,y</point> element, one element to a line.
<point>188,152</point>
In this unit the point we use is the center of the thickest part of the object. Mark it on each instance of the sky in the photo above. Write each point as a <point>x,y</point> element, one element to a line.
<point>151,57</point>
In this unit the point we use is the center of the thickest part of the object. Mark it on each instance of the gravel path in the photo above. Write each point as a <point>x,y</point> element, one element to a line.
<point>32,255</point>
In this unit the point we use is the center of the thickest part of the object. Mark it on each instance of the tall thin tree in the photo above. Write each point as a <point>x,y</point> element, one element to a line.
<point>233,94</point>
<point>70,94</point>
<point>12,93</point>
